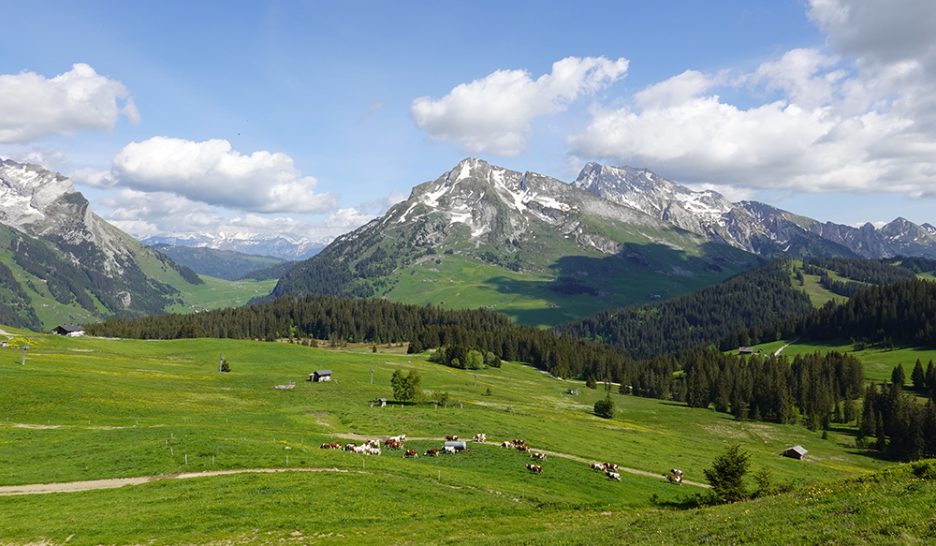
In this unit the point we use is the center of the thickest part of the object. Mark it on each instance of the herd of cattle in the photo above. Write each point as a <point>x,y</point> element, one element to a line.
<point>372,447</point>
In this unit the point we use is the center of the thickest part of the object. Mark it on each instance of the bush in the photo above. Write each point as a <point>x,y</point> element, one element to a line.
<point>604,408</point>
<point>405,387</point>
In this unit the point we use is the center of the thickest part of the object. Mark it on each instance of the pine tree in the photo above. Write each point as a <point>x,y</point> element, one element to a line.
<point>727,474</point>
<point>898,377</point>
<point>918,376</point>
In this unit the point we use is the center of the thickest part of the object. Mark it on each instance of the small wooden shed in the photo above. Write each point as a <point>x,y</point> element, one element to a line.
<point>746,351</point>
<point>70,330</point>
<point>795,452</point>
<point>320,376</point>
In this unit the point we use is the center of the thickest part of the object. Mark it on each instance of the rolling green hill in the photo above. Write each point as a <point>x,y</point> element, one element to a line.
<point>144,408</point>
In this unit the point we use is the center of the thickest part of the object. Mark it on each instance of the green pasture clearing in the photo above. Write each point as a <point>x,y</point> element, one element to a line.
<point>878,362</point>
<point>85,408</point>
<point>219,293</point>
<point>456,282</point>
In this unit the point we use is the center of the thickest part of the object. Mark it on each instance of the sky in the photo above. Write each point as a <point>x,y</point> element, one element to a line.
<point>307,119</point>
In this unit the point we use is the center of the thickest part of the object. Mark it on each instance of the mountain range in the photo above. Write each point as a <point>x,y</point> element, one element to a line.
<point>275,246</point>
<point>545,251</point>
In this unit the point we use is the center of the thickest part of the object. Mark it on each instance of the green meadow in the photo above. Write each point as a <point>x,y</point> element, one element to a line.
<point>87,409</point>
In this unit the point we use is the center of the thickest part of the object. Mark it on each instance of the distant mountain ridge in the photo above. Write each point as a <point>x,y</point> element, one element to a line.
<point>275,246</point>
<point>223,264</point>
<point>750,225</point>
<point>60,262</point>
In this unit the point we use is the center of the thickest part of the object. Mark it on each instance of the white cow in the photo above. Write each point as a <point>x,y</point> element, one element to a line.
<point>480,437</point>
<point>614,475</point>
<point>506,443</point>
<point>448,450</point>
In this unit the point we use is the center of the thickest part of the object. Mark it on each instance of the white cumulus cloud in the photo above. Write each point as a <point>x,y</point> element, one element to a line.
<point>859,116</point>
<point>33,106</point>
<point>494,114</point>
<point>213,172</point>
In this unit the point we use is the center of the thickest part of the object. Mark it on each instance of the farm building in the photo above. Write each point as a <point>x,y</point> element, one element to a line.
<point>746,351</point>
<point>795,452</point>
<point>70,330</point>
<point>320,375</point>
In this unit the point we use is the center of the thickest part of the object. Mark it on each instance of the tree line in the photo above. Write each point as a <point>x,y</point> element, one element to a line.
<point>748,308</point>
<point>380,321</point>
<point>897,423</point>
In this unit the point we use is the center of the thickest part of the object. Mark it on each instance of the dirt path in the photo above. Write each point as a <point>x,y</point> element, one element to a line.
<point>92,485</point>
<point>5,333</point>
<point>780,350</point>
<point>569,456</point>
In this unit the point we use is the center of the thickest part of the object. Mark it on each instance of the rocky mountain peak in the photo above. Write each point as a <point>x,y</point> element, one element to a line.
<point>28,192</point>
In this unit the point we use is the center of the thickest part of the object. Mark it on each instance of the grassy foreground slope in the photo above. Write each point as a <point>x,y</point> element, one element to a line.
<point>95,409</point>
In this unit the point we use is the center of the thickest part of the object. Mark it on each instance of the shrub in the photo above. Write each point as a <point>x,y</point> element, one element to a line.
<point>604,408</point>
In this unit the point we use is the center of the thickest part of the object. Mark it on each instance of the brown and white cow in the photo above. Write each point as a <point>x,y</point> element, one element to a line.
<point>611,467</point>
<point>522,448</point>
<point>597,466</point>
<point>452,438</point>
<point>393,443</point>
<point>410,454</point>
<point>540,456</point>
<point>480,437</point>
<point>448,450</point>
<point>535,468</point>
<point>432,452</point>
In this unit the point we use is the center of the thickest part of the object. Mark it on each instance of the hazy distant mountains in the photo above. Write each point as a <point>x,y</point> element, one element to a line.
<point>275,246</point>
<point>225,264</point>
<point>60,262</point>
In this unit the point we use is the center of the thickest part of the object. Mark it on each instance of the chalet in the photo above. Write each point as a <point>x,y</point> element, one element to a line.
<point>795,452</point>
<point>746,351</point>
<point>3,344</point>
<point>320,376</point>
<point>458,445</point>
<point>70,330</point>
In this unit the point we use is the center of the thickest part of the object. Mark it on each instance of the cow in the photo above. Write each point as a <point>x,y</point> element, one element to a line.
<point>452,438</point>
<point>597,466</point>
<point>540,456</point>
<point>506,443</point>
<point>535,468</point>
<point>401,438</point>
<point>675,476</point>
<point>331,445</point>
<point>522,448</point>
<point>410,454</point>
<point>393,443</point>
<point>368,450</point>
<point>611,467</point>
<point>432,452</point>
<point>613,475</point>
<point>448,450</point>
<point>350,447</point>
<point>480,437</point>
<point>518,442</point>
<point>372,443</point>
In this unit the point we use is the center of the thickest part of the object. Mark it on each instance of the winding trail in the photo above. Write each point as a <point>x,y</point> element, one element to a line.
<point>559,454</point>
<point>113,483</point>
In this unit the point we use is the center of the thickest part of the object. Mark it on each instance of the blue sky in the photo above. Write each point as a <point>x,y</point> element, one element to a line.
<point>307,118</point>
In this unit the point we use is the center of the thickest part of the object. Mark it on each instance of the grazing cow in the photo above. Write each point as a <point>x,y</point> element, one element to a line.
<point>393,443</point>
<point>480,437</point>
<point>540,456</point>
<point>401,438</point>
<point>675,476</point>
<point>372,443</point>
<point>522,447</point>
<point>432,452</point>
<point>518,442</point>
<point>535,468</point>
<point>451,438</point>
<point>506,443</point>
<point>350,447</point>
<point>361,448</point>
<point>613,475</point>
<point>448,450</point>
<point>410,453</point>
<point>597,466</point>
<point>371,450</point>
<point>611,467</point>
<point>331,445</point>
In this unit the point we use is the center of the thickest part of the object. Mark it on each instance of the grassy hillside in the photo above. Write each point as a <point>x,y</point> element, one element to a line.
<point>138,408</point>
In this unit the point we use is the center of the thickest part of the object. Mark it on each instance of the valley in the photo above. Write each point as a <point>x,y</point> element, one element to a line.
<point>140,408</point>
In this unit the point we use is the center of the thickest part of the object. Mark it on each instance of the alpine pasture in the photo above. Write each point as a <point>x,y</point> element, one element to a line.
<point>96,409</point>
